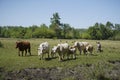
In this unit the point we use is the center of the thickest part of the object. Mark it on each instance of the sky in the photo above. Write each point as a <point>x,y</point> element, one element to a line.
<point>77,13</point>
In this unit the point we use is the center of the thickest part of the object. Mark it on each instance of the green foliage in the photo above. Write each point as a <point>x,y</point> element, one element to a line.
<point>100,31</point>
<point>55,19</point>
<point>116,36</point>
<point>56,25</point>
<point>85,35</point>
<point>60,30</point>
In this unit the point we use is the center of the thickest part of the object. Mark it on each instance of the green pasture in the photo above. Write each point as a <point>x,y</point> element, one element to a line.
<point>9,59</point>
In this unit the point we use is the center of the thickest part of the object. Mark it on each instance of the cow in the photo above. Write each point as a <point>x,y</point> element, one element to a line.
<point>43,49</point>
<point>62,50</point>
<point>23,46</point>
<point>99,47</point>
<point>89,48</point>
<point>72,51</point>
<point>53,51</point>
<point>81,46</point>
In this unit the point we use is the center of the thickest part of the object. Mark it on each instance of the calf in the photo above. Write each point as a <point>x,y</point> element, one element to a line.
<point>72,51</point>
<point>23,46</point>
<point>81,46</point>
<point>43,49</point>
<point>62,50</point>
<point>89,48</point>
<point>53,51</point>
<point>99,47</point>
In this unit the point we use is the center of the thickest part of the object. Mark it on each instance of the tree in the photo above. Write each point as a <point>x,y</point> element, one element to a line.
<point>117,27</point>
<point>100,31</point>
<point>55,19</point>
<point>43,31</point>
<point>56,25</point>
<point>94,32</point>
<point>65,29</point>
<point>109,25</point>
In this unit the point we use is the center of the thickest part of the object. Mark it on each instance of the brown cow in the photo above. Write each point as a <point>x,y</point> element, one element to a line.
<point>23,46</point>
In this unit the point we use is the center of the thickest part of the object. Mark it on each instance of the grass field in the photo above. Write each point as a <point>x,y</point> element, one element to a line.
<point>9,59</point>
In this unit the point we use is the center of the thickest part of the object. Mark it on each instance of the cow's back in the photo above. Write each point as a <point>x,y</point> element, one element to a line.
<point>23,45</point>
<point>26,45</point>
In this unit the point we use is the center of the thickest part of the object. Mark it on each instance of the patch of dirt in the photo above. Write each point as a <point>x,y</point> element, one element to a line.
<point>78,72</point>
<point>114,61</point>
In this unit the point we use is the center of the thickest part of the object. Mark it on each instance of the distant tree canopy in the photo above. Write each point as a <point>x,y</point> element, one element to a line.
<point>62,30</point>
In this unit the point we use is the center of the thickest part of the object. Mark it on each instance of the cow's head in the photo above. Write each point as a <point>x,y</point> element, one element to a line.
<point>76,44</point>
<point>40,50</point>
<point>17,44</point>
<point>54,49</point>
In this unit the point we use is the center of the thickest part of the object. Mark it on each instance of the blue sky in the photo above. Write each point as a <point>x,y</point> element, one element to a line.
<point>77,13</point>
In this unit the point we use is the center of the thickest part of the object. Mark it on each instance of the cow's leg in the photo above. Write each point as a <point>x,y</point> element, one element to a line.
<point>48,54</point>
<point>74,56</point>
<point>63,55</point>
<point>25,52</point>
<point>84,50</point>
<point>91,51</point>
<point>19,53</point>
<point>68,55</point>
<point>41,56</point>
<point>29,51</point>
<point>53,55</point>
<point>80,51</point>
<point>60,56</point>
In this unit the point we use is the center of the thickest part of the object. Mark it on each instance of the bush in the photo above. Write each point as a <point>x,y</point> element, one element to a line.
<point>115,37</point>
<point>85,36</point>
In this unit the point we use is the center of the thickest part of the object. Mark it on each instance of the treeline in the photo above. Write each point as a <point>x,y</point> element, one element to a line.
<point>62,31</point>
<point>41,31</point>
<point>101,31</point>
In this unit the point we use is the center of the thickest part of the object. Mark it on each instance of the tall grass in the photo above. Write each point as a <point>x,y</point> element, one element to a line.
<point>9,59</point>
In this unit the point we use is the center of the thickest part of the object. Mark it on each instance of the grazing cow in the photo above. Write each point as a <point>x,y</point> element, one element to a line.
<point>81,46</point>
<point>89,48</point>
<point>62,50</point>
<point>53,51</point>
<point>72,51</point>
<point>43,49</point>
<point>99,47</point>
<point>23,46</point>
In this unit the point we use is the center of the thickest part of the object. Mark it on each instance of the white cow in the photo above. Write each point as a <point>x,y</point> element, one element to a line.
<point>81,46</point>
<point>54,51</point>
<point>43,49</point>
<point>99,47</point>
<point>89,48</point>
<point>62,50</point>
<point>72,51</point>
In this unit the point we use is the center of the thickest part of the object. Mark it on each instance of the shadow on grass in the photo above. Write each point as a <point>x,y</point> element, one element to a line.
<point>70,59</point>
<point>94,54</point>
<point>48,59</point>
